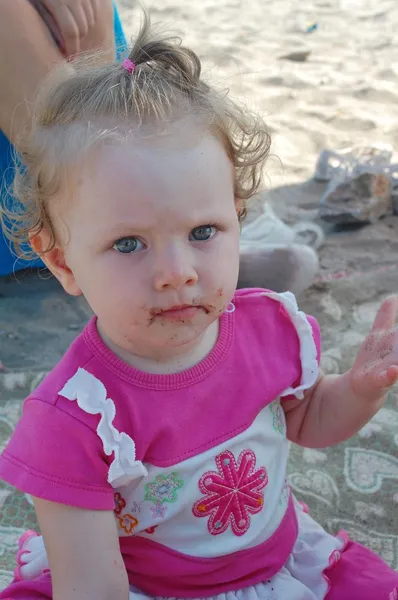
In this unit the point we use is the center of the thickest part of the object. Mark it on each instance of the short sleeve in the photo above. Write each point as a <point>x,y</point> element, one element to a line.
<point>300,357</point>
<point>316,334</point>
<point>308,334</point>
<point>309,368</point>
<point>54,456</point>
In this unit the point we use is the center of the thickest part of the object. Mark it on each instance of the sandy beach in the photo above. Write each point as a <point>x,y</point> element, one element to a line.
<point>344,93</point>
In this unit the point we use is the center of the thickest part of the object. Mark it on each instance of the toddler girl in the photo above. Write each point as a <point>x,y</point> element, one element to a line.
<point>156,450</point>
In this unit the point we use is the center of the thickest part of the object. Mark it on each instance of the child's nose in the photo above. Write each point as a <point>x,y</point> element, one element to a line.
<point>174,270</point>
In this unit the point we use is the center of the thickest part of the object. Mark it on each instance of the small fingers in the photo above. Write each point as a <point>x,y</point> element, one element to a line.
<point>389,376</point>
<point>386,317</point>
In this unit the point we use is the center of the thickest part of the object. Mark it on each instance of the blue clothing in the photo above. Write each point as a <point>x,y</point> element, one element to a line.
<point>8,260</point>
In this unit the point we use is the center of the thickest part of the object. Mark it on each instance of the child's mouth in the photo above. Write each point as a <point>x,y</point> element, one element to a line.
<point>178,313</point>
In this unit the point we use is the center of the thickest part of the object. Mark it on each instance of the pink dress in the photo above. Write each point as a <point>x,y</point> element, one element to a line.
<point>193,466</point>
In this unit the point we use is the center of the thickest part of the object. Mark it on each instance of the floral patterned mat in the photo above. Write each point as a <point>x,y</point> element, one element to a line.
<point>352,487</point>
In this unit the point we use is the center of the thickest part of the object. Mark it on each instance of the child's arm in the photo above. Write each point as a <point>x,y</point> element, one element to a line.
<point>337,406</point>
<point>83,552</point>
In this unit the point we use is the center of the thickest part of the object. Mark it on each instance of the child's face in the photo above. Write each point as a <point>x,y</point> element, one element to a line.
<point>154,241</point>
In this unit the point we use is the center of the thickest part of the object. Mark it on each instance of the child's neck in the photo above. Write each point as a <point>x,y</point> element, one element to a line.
<point>184,357</point>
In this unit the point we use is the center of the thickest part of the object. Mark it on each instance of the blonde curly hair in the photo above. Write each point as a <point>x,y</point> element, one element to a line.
<point>72,109</point>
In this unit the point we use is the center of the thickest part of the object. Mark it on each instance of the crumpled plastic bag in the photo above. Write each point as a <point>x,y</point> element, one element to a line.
<point>363,184</point>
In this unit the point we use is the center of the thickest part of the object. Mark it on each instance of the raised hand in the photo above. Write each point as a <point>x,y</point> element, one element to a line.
<point>376,366</point>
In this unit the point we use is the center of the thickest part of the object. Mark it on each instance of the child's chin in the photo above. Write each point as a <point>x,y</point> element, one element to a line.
<point>182,335</point>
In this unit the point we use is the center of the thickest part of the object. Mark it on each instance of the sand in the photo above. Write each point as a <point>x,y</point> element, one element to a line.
<point>345,91</point>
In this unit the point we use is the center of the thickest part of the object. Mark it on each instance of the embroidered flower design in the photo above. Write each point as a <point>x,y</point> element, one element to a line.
<point>163,489</point>
<point>120,503</point>
<point>151,530</point>
<point>158,511</point>
<point>232,493</point>
<point>128,523</point>
<point>278,422</point>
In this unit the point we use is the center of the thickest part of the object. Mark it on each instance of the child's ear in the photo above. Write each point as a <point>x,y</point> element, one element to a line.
<point>55,261</point>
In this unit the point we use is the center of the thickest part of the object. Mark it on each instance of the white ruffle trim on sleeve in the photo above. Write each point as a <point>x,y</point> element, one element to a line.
<point>90,395</point>
<point>308,350</point>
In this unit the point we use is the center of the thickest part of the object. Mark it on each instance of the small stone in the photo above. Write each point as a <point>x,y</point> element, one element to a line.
<point>296,55</point>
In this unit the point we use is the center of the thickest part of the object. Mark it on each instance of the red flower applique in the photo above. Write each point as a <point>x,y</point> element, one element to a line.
<point>232,493</point>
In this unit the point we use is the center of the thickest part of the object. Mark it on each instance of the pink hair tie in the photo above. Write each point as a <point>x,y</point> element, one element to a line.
<point>128,65</point>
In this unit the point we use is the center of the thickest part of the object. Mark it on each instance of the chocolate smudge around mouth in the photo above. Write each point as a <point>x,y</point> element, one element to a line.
<point>155,312</point>
<point>152,316</point>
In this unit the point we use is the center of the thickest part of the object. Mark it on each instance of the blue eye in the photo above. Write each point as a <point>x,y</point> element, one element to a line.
<point>202,233</point>
<point>128,245</point>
